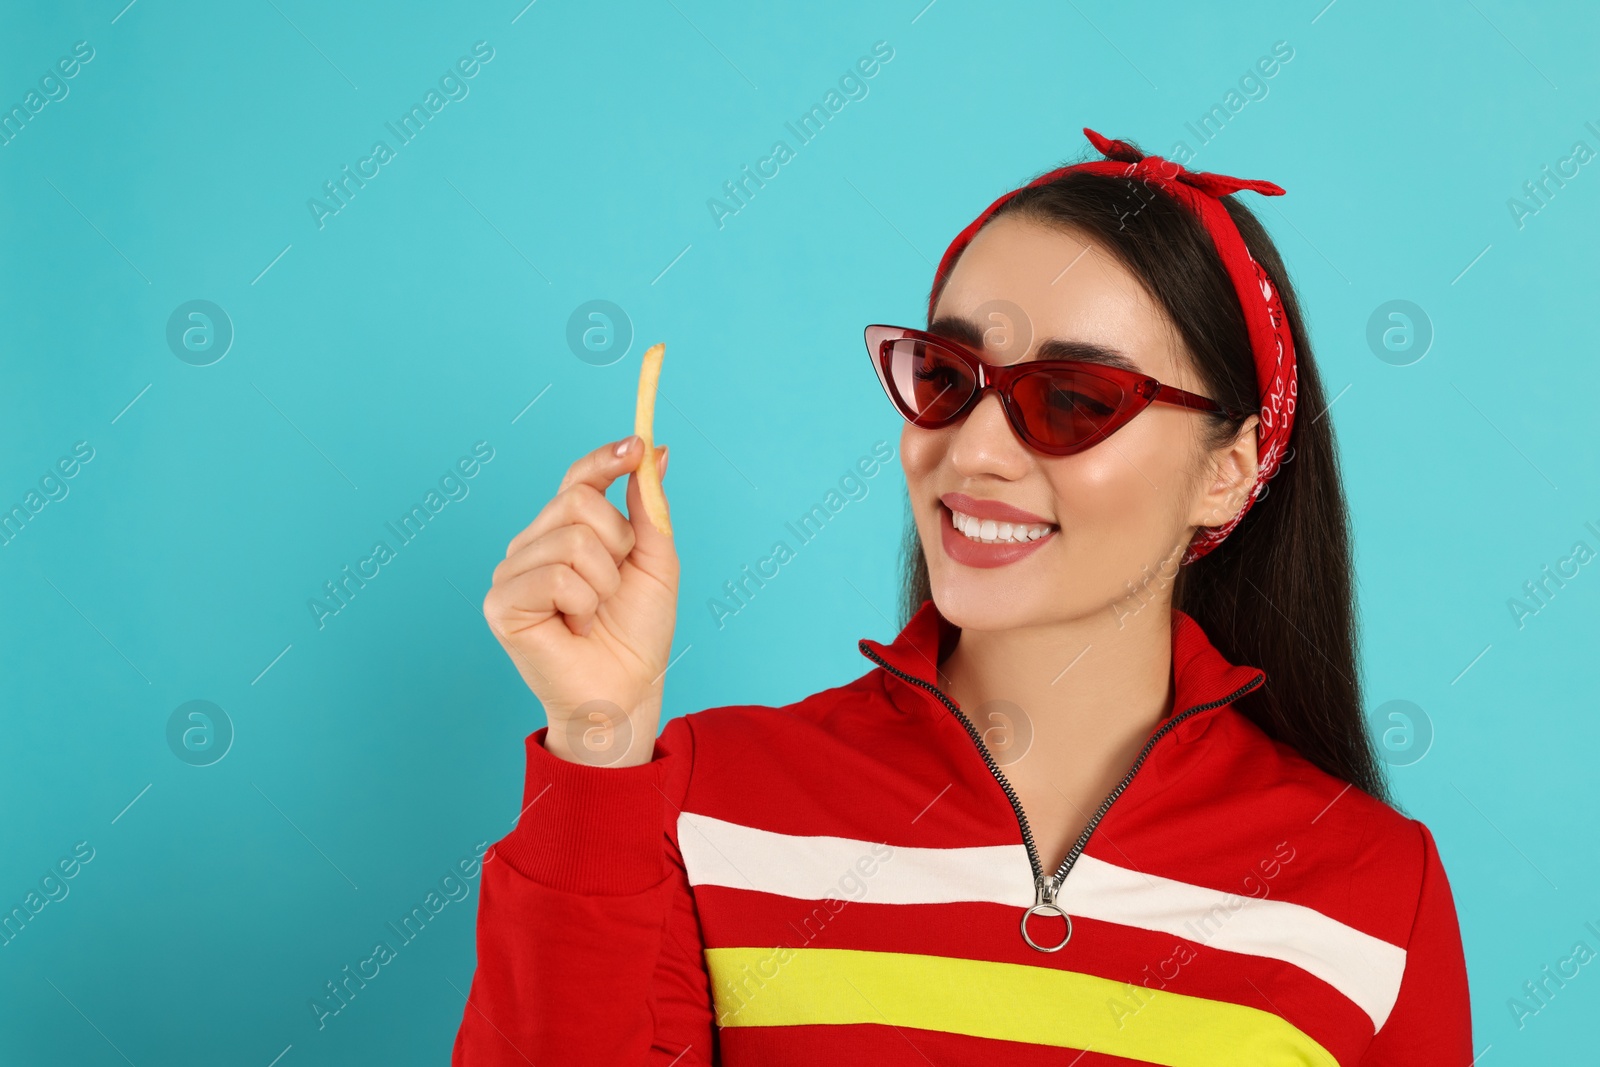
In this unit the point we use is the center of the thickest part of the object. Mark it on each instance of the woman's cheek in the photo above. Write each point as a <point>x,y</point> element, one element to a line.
<point>1093,490</point>
<point>919,456</point>
<point>1113,519</point>
<point>1134,478</point>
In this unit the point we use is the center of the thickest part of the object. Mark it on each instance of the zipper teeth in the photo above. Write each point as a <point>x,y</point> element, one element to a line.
<point>983,750</point>
<point>1011,794</point>
<point>1105,805</point>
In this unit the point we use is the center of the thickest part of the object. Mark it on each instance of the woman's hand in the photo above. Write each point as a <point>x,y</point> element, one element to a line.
<point>585,603</point>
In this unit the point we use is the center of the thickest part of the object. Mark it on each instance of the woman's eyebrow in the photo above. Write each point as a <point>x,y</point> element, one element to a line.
<point>1087,351</point>
<point>971,334</point>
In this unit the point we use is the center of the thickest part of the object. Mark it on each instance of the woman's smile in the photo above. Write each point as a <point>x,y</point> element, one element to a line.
<point>989,542</point>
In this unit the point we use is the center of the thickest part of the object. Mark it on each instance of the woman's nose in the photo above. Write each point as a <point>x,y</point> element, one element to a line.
<point>985,442</point>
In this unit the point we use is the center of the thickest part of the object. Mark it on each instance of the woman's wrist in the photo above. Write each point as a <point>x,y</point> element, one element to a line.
<point>598,747</point>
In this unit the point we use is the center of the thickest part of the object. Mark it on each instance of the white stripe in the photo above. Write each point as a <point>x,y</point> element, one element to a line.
<point>842,868</point>
<point>1364,968</point>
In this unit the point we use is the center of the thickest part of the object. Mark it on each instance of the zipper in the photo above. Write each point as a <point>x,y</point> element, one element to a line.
<point>1047,887</point>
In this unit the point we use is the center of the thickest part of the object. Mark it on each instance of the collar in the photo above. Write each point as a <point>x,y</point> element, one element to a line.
<point>1201,674</point>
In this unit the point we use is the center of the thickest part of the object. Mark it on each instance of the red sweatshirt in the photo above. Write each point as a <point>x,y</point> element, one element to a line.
<point>843,880</point>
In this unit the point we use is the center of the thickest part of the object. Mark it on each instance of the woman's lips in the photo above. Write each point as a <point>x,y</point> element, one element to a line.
<point>991,509</point>
<point>964,550</point>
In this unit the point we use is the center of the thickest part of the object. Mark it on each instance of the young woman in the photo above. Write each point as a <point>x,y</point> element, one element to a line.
<point>1107,798</point>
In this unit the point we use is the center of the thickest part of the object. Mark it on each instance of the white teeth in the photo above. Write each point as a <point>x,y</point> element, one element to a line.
<point>989,531</point>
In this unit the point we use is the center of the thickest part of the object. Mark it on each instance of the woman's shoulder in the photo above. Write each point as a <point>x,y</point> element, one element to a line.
<point>831,716</point>
<point>1292,779</point>
<point>1267,781</point>
<point>775,762</point>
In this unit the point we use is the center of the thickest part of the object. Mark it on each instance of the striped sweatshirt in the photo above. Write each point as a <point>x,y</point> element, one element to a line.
<point>844,880</point>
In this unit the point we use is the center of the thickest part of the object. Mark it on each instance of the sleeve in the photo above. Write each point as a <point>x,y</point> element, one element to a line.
<point>1431,1021</point>
<point>589,944</point>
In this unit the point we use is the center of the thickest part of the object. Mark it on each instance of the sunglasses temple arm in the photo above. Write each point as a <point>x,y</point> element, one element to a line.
<point>1173,395</point>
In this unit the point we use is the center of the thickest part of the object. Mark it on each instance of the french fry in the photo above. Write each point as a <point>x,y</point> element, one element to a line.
<point>655,501</point>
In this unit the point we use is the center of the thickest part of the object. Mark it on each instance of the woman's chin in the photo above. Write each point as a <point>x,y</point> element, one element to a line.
<point>983,600</point>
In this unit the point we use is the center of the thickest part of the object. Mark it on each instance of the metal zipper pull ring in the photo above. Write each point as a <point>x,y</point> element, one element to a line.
<point>1045,903</point>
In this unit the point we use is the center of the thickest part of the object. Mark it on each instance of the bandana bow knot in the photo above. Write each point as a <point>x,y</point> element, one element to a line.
<point>1156,168</point>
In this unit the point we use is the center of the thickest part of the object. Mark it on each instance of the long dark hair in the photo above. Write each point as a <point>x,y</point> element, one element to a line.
<point>1277,593</point>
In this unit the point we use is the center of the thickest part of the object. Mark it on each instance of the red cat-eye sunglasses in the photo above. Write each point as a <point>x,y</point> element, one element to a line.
<point>1056,406</point>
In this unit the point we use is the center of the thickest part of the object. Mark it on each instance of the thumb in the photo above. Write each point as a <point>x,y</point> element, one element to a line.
<point>650,544</point>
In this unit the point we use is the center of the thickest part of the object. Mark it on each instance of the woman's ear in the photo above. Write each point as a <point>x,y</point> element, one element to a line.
<point>1230,474</point>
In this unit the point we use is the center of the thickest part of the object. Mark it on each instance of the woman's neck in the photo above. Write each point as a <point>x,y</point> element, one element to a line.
<point>1066,706</point>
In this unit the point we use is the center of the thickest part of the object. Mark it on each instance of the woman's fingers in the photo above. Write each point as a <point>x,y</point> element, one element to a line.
<point>579,549</point>
<point>578,539</point>
<point>554,588</point>
<point>604,465</point>
<point>582,497</point>
<point>580,504</point>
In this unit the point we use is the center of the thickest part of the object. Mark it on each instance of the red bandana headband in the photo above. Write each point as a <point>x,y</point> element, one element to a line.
<point>1270,340</point>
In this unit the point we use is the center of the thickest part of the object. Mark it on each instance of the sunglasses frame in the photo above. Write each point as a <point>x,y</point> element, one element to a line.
<point>1138,391</point>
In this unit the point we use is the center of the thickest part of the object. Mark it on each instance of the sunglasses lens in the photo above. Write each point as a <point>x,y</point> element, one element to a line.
<point>928,382</point>
<point>1067,409</point>
<point>1061,410</point>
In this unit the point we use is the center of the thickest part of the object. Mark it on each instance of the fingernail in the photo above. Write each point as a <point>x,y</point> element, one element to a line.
<point>625,444</point>
<point>663,463</point>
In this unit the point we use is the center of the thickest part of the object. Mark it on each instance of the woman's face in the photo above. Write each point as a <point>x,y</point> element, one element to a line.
<point>1121,511</point>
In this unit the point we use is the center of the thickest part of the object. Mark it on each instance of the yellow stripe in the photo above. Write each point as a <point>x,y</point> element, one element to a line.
<point>1008,1001</point>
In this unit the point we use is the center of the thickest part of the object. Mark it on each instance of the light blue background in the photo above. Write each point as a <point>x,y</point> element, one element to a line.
<point>371,754</point>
